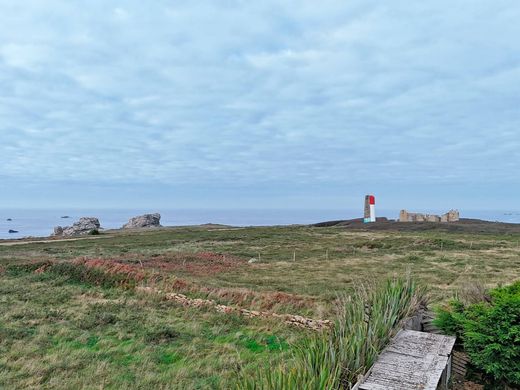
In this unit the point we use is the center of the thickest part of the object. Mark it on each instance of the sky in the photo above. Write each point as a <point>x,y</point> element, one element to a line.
<point>260,104</point>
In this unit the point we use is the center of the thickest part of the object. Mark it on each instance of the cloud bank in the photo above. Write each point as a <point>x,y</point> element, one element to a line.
<point>295,95</point>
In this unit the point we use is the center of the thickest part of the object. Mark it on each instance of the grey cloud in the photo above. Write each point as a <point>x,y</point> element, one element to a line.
<point>251,92</point>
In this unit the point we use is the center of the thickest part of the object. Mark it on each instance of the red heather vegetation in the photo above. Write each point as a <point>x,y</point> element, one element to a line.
<point>114,268</point>
<point>151,271</point>
<point>197,264</point>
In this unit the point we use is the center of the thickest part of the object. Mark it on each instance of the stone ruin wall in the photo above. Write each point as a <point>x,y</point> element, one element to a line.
<point>450,216</point>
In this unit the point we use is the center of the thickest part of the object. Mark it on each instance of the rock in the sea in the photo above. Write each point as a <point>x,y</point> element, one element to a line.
<point>144,221</point>
<point>9,219</point>
<point>84,226</point>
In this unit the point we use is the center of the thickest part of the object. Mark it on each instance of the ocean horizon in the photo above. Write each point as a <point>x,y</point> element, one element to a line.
<point>41,222</point>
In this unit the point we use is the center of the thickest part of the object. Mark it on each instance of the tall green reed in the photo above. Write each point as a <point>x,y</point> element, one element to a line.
<point>364,324</point>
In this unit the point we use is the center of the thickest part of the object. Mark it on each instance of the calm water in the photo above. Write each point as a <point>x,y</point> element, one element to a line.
<point>40,223</point>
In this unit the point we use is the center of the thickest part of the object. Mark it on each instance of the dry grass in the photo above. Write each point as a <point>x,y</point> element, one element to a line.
<point>57,332</point>
<point>327,259</point>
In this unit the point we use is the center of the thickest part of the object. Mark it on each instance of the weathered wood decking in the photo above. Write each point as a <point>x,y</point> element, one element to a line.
<point>413,360</point>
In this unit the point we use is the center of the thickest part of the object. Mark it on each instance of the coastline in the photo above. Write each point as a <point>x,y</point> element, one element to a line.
<point>465,225</point>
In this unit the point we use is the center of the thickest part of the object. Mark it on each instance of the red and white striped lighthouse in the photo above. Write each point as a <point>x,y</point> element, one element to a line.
<point>370,208</point>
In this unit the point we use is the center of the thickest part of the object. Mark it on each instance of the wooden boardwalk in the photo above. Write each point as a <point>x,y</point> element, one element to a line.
<point>413,360</point>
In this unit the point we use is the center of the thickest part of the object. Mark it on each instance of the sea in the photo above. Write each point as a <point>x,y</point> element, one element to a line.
<point>40,223</point>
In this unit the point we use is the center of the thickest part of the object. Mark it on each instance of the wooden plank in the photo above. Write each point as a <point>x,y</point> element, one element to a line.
<point>457,367</point>
<point>397,371</point>
<point>394,371</point>
<point>414,343</point>
<point>461,356</point>
<point>413,360</point>
<point>459,364</point>
<point>460,370</point>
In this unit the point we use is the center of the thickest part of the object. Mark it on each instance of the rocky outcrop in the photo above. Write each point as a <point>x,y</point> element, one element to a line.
<point>84,226</point>
<point>144,221</point>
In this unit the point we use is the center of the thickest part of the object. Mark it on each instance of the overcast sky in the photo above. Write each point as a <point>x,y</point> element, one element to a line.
<point>260,103</point>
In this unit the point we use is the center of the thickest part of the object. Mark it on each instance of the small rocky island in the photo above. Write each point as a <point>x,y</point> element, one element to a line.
<point>144,221</point>
<point>84,226</point>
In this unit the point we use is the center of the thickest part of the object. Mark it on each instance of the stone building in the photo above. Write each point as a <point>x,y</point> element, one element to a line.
<point>450,216</point>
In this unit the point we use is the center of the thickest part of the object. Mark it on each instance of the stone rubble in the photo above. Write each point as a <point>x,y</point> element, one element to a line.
<point>290,319</point>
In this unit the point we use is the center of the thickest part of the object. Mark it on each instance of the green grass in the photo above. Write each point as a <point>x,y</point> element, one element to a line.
<point>327,259</point>
<point>58,333</point>
<point>72,328</point>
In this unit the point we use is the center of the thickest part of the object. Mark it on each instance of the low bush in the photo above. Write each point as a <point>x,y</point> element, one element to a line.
<point>489,331</point>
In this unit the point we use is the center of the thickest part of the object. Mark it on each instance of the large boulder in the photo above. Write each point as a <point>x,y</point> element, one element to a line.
<point>84,226</point>
<point>144,221</point>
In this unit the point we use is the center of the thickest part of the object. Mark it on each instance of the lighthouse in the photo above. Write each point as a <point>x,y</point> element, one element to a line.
<point>370,208</point>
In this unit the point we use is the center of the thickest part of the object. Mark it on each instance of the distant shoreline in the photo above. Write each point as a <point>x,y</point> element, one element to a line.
<point>467,225</point>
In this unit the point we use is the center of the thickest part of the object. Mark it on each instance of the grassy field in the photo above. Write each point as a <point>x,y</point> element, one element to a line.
<point>58,331</point>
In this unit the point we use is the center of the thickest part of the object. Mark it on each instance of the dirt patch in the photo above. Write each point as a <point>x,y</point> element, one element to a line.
<point>467,385</point>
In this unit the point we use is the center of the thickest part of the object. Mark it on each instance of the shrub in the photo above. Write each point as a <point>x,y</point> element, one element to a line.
<point>490,332</point>
<point>94,232</point>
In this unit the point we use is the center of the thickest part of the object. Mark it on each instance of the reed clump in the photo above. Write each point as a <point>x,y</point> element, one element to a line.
<point>364,324</point>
